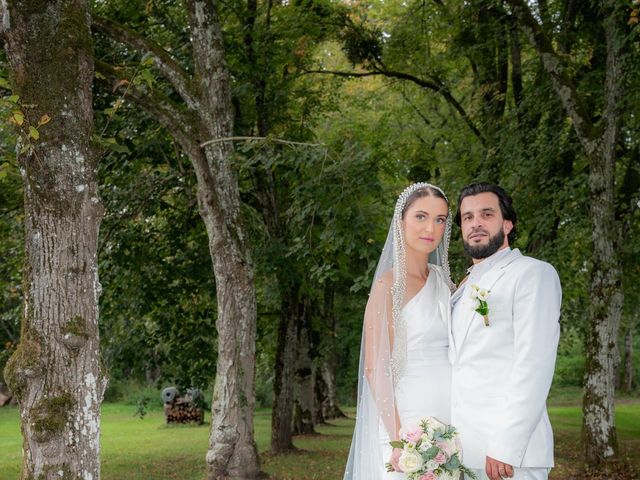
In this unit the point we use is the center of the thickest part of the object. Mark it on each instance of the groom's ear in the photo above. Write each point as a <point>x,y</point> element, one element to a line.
<point>507,226</point>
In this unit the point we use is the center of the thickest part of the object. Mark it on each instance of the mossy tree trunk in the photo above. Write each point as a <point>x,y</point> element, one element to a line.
<point>199,123</point>
<point>282,411</point>
<point>329,367</point>
<point>56,372</point>
<point>599,141</point>
<point>304,375</point>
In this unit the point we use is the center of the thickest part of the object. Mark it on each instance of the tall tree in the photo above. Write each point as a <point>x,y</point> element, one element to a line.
<point>56,372</point>
<point>201,122</point>
<point>599,136</point>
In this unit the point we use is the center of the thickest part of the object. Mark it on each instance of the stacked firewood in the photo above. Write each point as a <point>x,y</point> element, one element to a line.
<point>182,410</point>
<point>187,409</point>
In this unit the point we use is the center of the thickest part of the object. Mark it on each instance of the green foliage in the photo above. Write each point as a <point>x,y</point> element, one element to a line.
<point>571,362</point>
<point>158,305</point>
<point>11,251</point>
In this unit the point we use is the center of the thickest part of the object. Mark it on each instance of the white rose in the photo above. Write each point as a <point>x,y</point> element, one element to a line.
<point>410,462</point>
<point>483,294</point>
<point>432,465</point>
<point>409,446</point>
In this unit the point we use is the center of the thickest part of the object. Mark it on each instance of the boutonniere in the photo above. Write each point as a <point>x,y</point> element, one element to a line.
<point>480,295</point>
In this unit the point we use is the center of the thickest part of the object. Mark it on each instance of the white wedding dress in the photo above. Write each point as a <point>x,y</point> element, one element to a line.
<point>424,390</point>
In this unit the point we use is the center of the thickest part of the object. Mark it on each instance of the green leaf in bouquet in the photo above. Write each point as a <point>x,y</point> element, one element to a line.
<point>397,444</point>
<point>467,473</point>
<point>454,462</point>
<point>431,453</point>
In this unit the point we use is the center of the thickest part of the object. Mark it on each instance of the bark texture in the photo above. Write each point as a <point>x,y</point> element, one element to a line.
<point>627,373</point>
<point>56,372</point>
<point>232,449</point>
<point>305,373</point>
<point>205,114</point>
<point>282,412</point>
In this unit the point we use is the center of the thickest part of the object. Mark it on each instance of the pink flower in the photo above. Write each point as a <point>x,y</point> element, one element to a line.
<point>447,447</point>
<point>412,434</point>
<point>429,476</point>
<point>440,458</point>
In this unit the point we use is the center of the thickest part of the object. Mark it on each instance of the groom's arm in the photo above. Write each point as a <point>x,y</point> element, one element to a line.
<point>536,312</point>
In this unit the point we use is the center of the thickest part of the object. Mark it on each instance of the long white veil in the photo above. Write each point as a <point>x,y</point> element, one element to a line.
<point>383,347</point>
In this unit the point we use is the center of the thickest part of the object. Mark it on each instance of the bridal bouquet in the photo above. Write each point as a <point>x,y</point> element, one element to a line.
<point>430,451</point>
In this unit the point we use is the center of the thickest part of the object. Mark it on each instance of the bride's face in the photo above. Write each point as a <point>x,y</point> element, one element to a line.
<point>424,222</point>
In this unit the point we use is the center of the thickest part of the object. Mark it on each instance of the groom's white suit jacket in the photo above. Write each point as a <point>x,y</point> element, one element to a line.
<point>502,372</point>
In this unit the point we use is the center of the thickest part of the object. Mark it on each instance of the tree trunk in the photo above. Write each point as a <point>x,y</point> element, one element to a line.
<point>56,372</point>
<point>599,143</point>
<point>304,387</point>
<point>331,408</point>
<point>516,64</point>
<point>627,382</point>
<point>627,377</point>
<point>330,364</point>
<point>200,125</point>
<point>320,403</point>
<point>232,449</point>
<point>598,427</point>
<point>282,412</point>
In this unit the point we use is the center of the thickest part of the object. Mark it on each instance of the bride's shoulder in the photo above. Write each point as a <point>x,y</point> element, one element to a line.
<point>384,282</point>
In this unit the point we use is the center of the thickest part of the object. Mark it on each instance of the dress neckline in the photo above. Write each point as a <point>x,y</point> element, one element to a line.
<point>426,282</point>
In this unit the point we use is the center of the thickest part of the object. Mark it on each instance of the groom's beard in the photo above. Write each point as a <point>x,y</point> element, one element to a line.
<point>483,251</point>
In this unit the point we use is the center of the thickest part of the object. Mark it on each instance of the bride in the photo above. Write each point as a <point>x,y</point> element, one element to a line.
<point>404,371</point>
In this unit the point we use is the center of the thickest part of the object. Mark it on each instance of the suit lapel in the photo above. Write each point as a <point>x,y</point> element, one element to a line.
<point>487,281</point>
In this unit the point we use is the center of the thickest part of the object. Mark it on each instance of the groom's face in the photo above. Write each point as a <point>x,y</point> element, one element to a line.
<point>484,230</point>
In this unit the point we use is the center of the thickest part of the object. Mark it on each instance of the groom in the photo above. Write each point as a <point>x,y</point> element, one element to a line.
<point>503,356</point>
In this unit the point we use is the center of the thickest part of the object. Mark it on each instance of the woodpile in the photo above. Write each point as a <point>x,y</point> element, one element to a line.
<point>186,409</point>
<point>181,410</point>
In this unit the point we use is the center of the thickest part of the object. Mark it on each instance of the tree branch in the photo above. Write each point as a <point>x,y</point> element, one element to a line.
<point>611,114</point>
<point>269,139</point>
<point>165,64</point>
<point>158,106</point>
<point>555,68</point>
<point>434,85</point>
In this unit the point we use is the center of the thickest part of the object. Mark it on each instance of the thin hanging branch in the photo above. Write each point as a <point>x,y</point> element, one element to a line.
<point>165,64</point>
<point>555,67</point>
<point>271,139</point>
<point>434,85</point>
<point>155,104</point>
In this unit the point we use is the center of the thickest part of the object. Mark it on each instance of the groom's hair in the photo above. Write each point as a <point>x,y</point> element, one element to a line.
<point>505,201</point>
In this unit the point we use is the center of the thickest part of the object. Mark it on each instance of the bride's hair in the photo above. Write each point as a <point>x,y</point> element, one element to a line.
<point>423,192</point>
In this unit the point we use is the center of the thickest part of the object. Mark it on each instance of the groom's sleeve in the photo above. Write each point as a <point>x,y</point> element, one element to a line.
<point>536,313</point>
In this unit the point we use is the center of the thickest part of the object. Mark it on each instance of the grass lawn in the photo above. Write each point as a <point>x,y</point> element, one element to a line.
<point>134,449</point>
